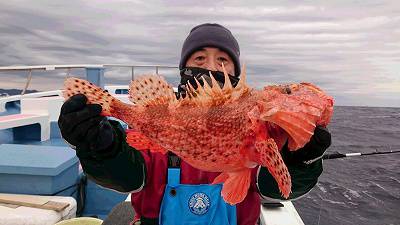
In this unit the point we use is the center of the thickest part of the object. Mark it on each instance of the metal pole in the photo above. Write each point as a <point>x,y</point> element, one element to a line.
<point>27,82</point>
<point>133,72</point>
<point>157,70</point>
<point>96,76</point>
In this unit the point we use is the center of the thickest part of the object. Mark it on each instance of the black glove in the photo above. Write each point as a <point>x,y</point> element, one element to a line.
<point>82,126</point>
<point>312,151</point>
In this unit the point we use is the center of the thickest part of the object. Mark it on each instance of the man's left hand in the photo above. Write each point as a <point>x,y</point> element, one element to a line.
<point>312,151</point>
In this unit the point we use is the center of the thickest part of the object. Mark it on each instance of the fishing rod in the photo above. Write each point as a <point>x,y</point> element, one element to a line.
<point>337,155</point>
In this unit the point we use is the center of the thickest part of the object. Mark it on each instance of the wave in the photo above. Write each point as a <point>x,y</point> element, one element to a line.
<point>381,116</point>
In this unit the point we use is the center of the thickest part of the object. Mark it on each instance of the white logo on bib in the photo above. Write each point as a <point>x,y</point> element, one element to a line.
<point>199,203</point>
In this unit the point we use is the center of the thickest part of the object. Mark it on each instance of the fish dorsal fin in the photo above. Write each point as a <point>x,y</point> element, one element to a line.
<point>207,95</point>
<point>241,88</point>
<point>150,90</point>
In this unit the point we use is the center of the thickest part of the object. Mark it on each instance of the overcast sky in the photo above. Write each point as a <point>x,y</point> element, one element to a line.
<point>351,49</point>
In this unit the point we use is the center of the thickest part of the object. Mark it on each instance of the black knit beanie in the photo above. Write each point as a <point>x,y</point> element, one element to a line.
<point>211,35</point>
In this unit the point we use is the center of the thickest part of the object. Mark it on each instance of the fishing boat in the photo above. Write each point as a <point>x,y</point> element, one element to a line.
<point>41,181</point>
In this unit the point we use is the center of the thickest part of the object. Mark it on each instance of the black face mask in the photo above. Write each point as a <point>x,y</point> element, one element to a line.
<point>189,74</point>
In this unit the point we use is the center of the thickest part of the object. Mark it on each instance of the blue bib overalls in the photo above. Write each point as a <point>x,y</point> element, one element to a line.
<point>185,204</point>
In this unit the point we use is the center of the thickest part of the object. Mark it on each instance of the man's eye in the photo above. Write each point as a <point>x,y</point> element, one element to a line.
<point>199,58</point>
<point>222,59</point>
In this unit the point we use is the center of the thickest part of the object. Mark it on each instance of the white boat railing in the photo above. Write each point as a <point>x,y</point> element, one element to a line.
<point>132,67</point>
<point>13,98</point>
<point>30,69</point>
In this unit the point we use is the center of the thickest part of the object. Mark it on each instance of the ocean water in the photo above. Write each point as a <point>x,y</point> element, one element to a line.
<point>364,189</point>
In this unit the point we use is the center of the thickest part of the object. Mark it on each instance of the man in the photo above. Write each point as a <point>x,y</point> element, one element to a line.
<point>165,190</point>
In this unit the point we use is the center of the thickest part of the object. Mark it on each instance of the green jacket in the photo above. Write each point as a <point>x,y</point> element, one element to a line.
<point>109,169</point>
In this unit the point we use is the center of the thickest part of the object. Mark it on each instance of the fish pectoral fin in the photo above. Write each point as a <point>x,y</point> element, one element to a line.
<point>297,109</point>
<point>272,160</point>
<point>236,184</point>
<point>141,142</point>
<point>299,122</point>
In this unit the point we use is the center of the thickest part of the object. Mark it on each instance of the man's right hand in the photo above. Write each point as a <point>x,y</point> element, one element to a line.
<point>82,126</point>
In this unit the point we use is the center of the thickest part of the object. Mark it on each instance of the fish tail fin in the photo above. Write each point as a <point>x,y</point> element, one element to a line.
<point>95,95</point>
<point>141,142</point>
<point>270,158</point>
<point>236,184</point>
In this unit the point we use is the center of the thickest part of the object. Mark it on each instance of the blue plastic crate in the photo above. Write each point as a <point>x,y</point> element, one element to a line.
<point>37,169</point>
<point>100,200</point>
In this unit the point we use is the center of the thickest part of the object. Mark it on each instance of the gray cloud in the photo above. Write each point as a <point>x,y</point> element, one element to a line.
<point>351,50</point>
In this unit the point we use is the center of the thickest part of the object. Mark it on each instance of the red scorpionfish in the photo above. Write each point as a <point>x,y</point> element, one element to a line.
<point>229,130</point>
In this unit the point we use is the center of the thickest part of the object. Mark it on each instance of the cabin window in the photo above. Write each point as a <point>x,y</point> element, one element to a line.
<point>121,91</point>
